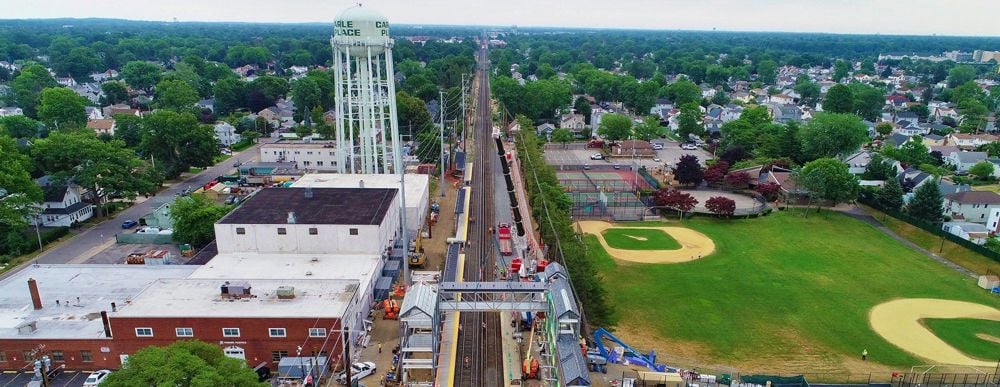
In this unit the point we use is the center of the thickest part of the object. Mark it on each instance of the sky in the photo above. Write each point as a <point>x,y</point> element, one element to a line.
<point>917,17</point>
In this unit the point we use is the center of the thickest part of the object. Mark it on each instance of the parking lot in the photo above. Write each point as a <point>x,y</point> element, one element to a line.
<point>577,154</point>
<point>65,379</point>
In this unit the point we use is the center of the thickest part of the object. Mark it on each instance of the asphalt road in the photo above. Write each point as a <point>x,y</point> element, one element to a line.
<point>90,242</point>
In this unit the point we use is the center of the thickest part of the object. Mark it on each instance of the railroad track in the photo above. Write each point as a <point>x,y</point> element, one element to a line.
<point>480,353</point>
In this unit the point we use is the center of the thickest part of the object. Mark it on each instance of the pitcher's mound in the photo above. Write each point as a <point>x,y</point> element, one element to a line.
<point>694,244</point>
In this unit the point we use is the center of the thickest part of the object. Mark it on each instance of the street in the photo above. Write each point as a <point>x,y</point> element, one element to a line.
<point>89,242</point>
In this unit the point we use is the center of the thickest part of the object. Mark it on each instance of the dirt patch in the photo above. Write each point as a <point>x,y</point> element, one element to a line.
<point>988,337</point>
<point>898,321</point>
<point>694,244</point>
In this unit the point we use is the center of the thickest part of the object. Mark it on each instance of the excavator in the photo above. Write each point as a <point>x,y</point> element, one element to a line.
<point>416,257</point>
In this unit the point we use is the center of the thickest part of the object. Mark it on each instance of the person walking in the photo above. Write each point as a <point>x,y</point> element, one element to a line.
<point>379,347</point>
<point>864,354</point>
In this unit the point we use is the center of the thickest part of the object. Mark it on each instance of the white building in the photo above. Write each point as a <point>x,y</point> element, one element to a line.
<point>972,232</point>
<point>312,220</point>
<point>11,111</point>
<point>971,206</point>
<point>306,154</point>
<point>226,134</point>
<point>416,190</point>
<point>64,204</point>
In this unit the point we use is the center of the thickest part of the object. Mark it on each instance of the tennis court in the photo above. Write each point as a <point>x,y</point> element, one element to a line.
<point>604,194</point>
<point>590,181</point>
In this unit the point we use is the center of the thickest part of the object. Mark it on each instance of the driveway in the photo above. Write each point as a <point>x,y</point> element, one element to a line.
<point>88,243</point>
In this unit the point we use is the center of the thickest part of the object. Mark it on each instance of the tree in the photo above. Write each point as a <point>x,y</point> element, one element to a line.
<point>879,169</point>
<point>839,99</point>
<point>230,95</point>
<point>689,121</point>
<point>428,146</point>
<point>961,74</point>
<point>114,92</point>
<point>562,136</point>
<point>18,192</point>
<point>21,127</point>
<point>868,101</point>
<point>831,134</point>
<point>194,218</point>
<point>829,179</point>
<point>891,195</point>
<point>716,173</point>
<point>883,129</point>
<point>615,127</point>
<point>738,180</point>
<point>840,70</point>
<point>721,205</point>
<point>983,170</point>
<point>649,129</point>
<point>767,71</point>
<point>265,90</point>
<point>808,90</point>
<point>62,108</point>
<point>141,75</point>
<point>27,87</point>
<point>921,111</point>
<point>927,203</point>
<point>177,141</point>
<point>306,94</point>
<point>910,153</point>
<point>674,199</point>
<point>183,363</point>
<point>412,113</point>
<point>974,115</point>
<point>683,92</point>
<point>688,170</point>
<point>89,161</point>
<point>175,95</point>
<point>769,190</point>
<point>582,106</point>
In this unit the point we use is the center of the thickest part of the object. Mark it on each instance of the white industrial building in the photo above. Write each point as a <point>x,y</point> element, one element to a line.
<point>416,191</point>
<point>307,154</point>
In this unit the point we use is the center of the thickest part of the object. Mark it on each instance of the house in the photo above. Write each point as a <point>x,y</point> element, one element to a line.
<point>933,140</point>
<point>897,139</point>
<point>972,232</point>
<point>782,99</point>
<point>963,161</point>
<point>105,76</point>
<point>207,103</point>
<point>628,148</point>
<point>993,221</point>
<point>858,162</point>
<point>64,204</point>
<point>971,206</point>
<point>908,128</point>
<point>970,141</point>
<point>226,134</point>
<point>11,111</point>
<point>93,113</point>
<point>906,116</point>
<point>113,110</point>
<point>661,105</point>
<point>66,81</point>
<point>545,129</point>
<point>574,122</point>
<point>91,91</point>
<point>102,126</point>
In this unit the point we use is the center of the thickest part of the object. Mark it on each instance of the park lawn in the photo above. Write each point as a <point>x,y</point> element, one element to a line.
<point>779,285</point>
<point>639,239</point>
<point>971,260</point>
<point>961,334</point>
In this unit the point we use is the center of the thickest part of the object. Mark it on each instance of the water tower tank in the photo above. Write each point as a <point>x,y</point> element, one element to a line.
<point>362,28</point>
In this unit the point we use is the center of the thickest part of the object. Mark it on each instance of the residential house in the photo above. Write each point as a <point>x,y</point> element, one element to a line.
<point>932,139</point>
<point>908,128</point>
<point>66,81</point>
<point>782,99</point>
<point>661,107</point>
<point>11,111</point>
<point>897,139</point>
<point>574,122</point>
<point>545,129</point>
<point>784,113</point>
<point>970,141</point>
<point>731,113</point>
<point>246,70</point>
<point>628,148</point>
<point>972,232</point>
<point>102,126</point>
<point>941,112</point>
<point>858,162</point>
<point>971,206</point>
<point>93,113</point>
<point>226,134</point>
<point>63,204</point>
<point>105,76</point>
<point>963,161</point>
<point>113,110</point>
<point>91,91</point>
<point>905,116</point>
<point>207,103</point>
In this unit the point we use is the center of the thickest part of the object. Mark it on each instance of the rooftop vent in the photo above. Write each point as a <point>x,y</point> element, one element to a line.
<point>361,184</point>
<point>309,193</point>
<point>286,292</point>
<point>315,259</point>
<point>239,289</point>
<point>291,218</point>
<point>27,328</point>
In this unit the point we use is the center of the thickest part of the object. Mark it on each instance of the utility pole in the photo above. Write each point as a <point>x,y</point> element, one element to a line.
<point>441,94</point>
<point>38,234</point>
<point>465,128</point>
<point>347,350</point>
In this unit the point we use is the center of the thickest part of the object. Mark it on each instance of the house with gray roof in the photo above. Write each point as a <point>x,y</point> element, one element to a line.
<point>971,206</point>
<point>64,203</point>
<point>972,232</point>
<point>963,161</point>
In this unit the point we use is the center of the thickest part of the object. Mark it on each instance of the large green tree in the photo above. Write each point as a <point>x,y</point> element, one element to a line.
<point>306,95</point>
<point>891,195</point>
<point>649,129</point>
<point>683,92</point>
<point>868,101</point>
<point>562,136</point>
<point>27,87</point>
<point>767,71</point>
<point>230,96</point>
<point>194,219</point>
<point>839,99</point>
<point>841,70</point>
<point>615,127</point>
<point>114,92</point>
<point>186,363</point>
<point>177,141</point>
<point>927,203</point>
<point>141,75</point>
<point>831,134</point>
<point>829,179</point>
<point>18,192</point>
<point>19,127</point>
<point>961,74</point>
<point>689,121</point>
<point>175,95</point>
<point>412,114</point>
<point>808,90</point>
<point>62,108</point>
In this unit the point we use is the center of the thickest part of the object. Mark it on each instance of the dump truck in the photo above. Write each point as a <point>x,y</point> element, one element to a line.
<point>504,238</point>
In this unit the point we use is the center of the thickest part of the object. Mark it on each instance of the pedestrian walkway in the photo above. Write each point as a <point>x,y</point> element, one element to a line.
<point>511,348</point>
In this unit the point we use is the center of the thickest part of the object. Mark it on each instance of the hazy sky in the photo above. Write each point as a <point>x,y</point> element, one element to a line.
<point>924,17</point>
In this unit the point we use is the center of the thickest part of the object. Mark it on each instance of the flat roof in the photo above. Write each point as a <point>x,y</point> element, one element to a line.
<point>203,298</point>
<point>291,266</point>
<point>352,206</point>
<point>97,286</point>
<point>416,190</point>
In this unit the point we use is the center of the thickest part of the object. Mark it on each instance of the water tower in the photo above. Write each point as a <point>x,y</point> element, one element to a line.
<point>365,99</point>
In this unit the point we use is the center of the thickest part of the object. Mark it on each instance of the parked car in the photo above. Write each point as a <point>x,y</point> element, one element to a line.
<point>129,224</point>
<point>617,166</point>
<point>359,371</point>
<point>96,378</point>
<point>232,199</point>
<point>225,151</point>
<point>657,146</point>
<point>586,166</point>
<point>689,146</point>
<point>656,160</point>
<point>596,156</point>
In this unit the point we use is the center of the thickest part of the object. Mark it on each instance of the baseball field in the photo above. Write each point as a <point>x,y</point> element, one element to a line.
<point>793,292</point>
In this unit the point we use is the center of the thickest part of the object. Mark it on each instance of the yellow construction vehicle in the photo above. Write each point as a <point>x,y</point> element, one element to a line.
<point>416,254</point>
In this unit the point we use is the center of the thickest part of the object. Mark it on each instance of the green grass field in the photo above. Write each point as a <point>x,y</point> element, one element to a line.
<point>639,239</point>
<point>778,285</point>
<point>961,334</point>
